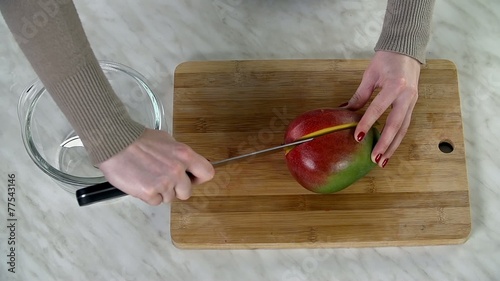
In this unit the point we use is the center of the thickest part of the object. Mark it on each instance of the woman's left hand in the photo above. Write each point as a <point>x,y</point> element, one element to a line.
<point>397,75</point>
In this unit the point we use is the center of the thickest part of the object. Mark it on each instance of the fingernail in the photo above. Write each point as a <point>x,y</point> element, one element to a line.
<point>377,159</point>
<point>344,104</point>
<point>385,162</point>
<point>360,136</point>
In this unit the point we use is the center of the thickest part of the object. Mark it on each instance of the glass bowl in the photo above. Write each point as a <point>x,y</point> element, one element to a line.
<point>52,143</point>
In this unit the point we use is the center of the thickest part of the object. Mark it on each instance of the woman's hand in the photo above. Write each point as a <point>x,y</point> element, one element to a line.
<point>397,75</point>
<point>156,168</point>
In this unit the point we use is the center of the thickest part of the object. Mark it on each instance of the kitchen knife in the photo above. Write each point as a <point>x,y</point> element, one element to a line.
<point>105,191</point>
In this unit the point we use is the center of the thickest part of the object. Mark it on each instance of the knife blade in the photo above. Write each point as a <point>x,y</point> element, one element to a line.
<point>221,162</point>
<point>105,191</point>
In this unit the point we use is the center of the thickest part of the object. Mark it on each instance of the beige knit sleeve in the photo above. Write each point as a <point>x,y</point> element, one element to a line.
<point>406,28</point>
<point>51,36</point>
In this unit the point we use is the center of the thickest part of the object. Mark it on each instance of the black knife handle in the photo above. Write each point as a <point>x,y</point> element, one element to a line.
<point>97,193</point>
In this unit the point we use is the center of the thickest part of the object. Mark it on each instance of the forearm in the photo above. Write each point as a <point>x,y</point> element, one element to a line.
<point>53,40</point>
<point>406,28</point>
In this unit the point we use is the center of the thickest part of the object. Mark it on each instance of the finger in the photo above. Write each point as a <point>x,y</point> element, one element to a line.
<point>168,195</point>
<point>201,169</point>
<point>363,93</point>
<point>153,200</point>
<point>392,126</point>
<point>148,190</point>
<point>379,105</point>
<point>183,188</point>
<point>399,136</point>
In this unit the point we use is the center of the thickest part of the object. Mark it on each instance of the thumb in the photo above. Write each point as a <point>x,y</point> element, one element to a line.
<point>363,93</point>
<point>200,170</point>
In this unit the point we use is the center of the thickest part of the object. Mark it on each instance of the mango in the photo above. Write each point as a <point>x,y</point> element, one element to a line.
<point>330,162</point>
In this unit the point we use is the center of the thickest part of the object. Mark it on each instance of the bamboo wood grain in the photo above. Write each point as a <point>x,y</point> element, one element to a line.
<point>227,108</point>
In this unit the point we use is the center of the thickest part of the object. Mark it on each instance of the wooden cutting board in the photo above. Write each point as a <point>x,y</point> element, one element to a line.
<point>227,108</point>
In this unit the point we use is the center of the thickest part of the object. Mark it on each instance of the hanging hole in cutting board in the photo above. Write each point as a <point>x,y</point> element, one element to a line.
<point>446,146</point>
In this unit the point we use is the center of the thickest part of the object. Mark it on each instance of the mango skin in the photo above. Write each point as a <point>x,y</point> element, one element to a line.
<point>331,162</point>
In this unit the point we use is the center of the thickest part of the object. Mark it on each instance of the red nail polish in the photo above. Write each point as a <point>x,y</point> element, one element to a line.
<point>377,159</point>
<point>385,162</point>
<point>360,136</point>
<point>344,104</point>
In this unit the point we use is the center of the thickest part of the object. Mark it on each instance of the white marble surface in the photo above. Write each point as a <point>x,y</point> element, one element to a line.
<point>56,240</point>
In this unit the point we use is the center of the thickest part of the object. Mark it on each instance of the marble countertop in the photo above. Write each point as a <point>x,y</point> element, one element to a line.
<point>57,240</point>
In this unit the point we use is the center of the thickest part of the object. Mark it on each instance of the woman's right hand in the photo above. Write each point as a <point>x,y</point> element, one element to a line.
<point>157,169</point>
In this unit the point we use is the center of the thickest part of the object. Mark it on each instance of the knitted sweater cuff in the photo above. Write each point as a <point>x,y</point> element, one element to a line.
<point>406,28</point>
